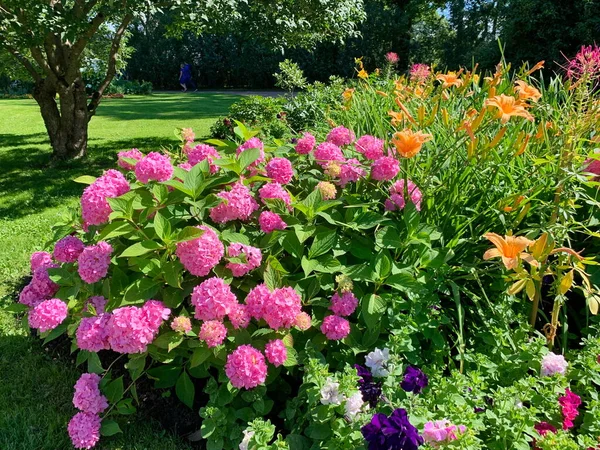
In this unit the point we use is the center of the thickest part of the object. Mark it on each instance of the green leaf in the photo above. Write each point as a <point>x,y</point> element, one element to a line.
<point>303,232</point>
<point>272,277</point>
<point>141,290</point>
<point>368,219</point>
<point>404,282</point>
<point>136,366</point>
<point>125,407</point>
<point>189,233</point>
<point>85,179</point>
<point>383,265</point>
<point>372,310</point>
<point>297,442</point>
<point>200,355</point>
<point>56,332</point>
<point>94,364</point>
<point>16,308</point>
<point>318,431</point>
<point>247,157</point>
<point>308,265</point>
<point>323,243</point>
<point>389,237</point>
<point>207,428</point>
<point>109,428</point>
<point>292,245</point>
<point>194,180</point>
<point>166,376</point>
<point>114,390</point>
<point>185,389</point>
<point>61,276</point>
<point>230,236</point>
<point>114,229</point>
<point>162,227</point>
<point>172,271</point>
<point>140,248</point>
<point>169,340</point>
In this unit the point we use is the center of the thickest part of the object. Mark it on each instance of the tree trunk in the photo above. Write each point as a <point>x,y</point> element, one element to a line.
<point>67,120</point>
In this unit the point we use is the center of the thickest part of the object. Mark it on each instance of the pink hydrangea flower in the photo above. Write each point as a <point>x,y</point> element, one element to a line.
<point>441,431</point>
<point>200,255</point>
<point>256,300</point>
<point>280,170</point>
<point>68,249</point>
<point>185,166</point>
<point>281,308</point>
<point>95,209</point>
<point>41,282</point>
<point>30,297</point>
<point>213,299</point>
<point>340,136</point>
<point>246,367</point>
<point>328,191</point>
<point>343,305</point>
<point>92,333</point>
<point>187,134</point>
<point>276,352</point>
<point>98,302</point>
<point>274,191</point>
<point>270,221</point>
<point>351,172</point>
<point>327,152</point>
<point>84,430</point>
<point>303,321</point>
<point>238,205</point>
<point>385,168</point>
<point>181,324</point>
<point>419,72</point>
<point>569,404</point>
<point>40,259</point>
<point>553,364</point>
<point>253,143</point>
<point>87,396</point>
<point>335,328</point>
<point>41,286</point>
<point>201,152</point>
<point>94,262</point>
<point>155,313</point>
<point>305,144</point>
<point>48,315</point>
<point>370,146</point>
<point>392,58</point>
<point>252,255</point>
<point>213,333</point>
<point>239,316</point>
<point>396,200</point>
<point>129,330</point>
<point>134,153</point>
<point>154,166</point>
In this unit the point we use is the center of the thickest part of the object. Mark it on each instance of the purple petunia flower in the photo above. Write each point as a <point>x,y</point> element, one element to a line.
<point>414,380</point>
<point>391,433</point>
<point>370,389</point>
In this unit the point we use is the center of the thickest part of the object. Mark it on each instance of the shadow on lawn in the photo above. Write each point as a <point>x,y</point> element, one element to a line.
<point>25,171</point>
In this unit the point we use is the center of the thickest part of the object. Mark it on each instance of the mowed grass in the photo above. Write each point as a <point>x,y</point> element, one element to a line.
<point>35,388</point>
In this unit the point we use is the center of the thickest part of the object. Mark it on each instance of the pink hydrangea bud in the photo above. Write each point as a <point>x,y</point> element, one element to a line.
<point>213,333</point>
<point>238,204</point>
<point>41,259</point>
<point>370,146</point>
<point>94,262</point>
<point>239,316</point>
<point>340,136</point>
<point>328,191</point>
<point>134,153</point>
<point>181,324</point>
<point>201,152</point>
<point>252,255</point>
<point>305,144</point>
<point>328,152</point>
<point>274,191</point>
<point>303,321</point>
<point>282,307</point>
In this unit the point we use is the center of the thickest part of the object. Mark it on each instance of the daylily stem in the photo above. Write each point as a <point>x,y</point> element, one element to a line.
<point>536,302</point>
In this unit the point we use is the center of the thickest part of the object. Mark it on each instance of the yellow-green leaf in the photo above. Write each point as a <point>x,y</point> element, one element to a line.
<point>517,287</point>
<point>566,282</point>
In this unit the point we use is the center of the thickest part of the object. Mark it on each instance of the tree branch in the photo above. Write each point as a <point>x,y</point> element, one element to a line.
<point>80,44</point>
<point>112,65</point>
<point>26,63</point>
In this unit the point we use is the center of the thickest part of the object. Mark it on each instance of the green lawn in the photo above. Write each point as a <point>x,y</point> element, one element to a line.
<point>35,388</point>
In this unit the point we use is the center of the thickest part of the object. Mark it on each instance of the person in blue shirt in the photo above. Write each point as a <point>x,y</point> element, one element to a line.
<point>185,77</point>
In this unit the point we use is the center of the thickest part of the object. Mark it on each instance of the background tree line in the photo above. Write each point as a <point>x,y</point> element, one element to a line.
<point>450,34</point>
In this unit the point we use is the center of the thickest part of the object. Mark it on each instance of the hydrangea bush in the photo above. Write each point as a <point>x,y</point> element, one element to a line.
<point>314,294</point>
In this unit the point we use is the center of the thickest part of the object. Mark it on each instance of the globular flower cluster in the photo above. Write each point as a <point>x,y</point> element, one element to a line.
<point>280,170</point>
<point>553,364</point>
<point>351,172</point>
<point>270,221</point>
<point>181,324</point>
<point>154,166</point>
<point>94,262</point>
<point>397,196</point>
<point>343,305</point>
<point>303,321</point>
<point>328,190</point>
<point>97,302</point>
<point>239,316</point>
<point>87,396</point>
<point>305,144</point>
<point>92,333</point>
<point>419,72</point>
<point>340,136</point>
<point>276,352</point>
<point>569,404</point>
<point>327,152</point>
<point>252,255</point>
<point>68,249</point>
<point>385,168</point>
<point>335,328</point>
<point>253,143</point>
<point>134,153</point>
<point>95,209</point>
<point>273,191</point>
<point>442,431</point>
<point>213,299</point>
<point>392,58</point>
<point>393,432</point>
<point>246,367</point>
<point>40,259</point>
<point>201,152</point>
<point>130,329</point>
<point>84,430</point>
<point>41,286</point>
<point>48,314</point>
<point>370,146</point>
<point>238,204</point>
<point>279,308</point>
<point>200,255</point>
<point>188,135</point>
<point>213,332</point>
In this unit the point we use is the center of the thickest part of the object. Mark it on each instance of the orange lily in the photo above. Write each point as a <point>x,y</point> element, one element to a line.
<point>527,92</point>
<point>347,94</point>
<point>507,107</point>
<point>397,117</point>
<point>449,79</point>
<point>408,143</point>
<point>363,74</point>
<point>509,248</point>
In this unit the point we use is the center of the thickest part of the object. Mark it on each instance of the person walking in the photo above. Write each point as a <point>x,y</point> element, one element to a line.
<point>185,77</point>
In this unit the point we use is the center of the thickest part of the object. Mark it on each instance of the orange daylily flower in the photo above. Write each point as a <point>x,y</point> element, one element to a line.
<point>383,94</point>
<point>527,92</point>
<point>397,117</point>
<point>408,143</point>
<point>347,94</point>
<point>509,248</point>
<point>508,106</point>
<point>363,74</point>
<point>449,79</point>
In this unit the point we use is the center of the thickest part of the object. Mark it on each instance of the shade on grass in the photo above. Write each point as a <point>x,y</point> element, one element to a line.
<point>36,390</point>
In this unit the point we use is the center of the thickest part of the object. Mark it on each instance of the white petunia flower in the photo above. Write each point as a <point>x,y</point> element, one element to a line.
<point>354,404</point>
<point>246,441</point>
<point>330,393</point>
<point>377,361</point>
